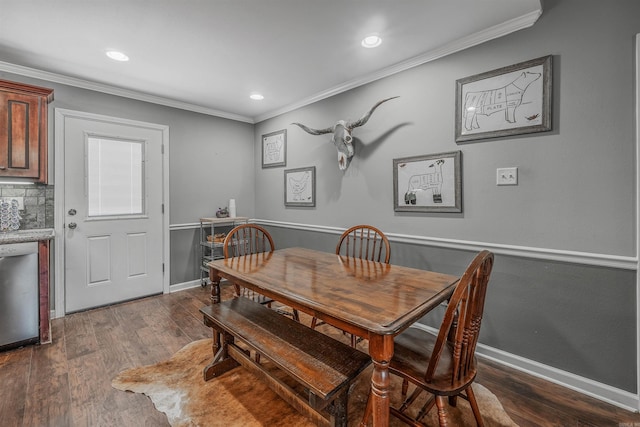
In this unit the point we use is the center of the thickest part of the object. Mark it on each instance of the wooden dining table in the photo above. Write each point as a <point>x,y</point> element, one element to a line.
<point>372,300</point>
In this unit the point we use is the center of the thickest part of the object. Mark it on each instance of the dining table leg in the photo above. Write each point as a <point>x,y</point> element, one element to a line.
<point>217,341</point>
<point>381,352</point>
<point>215,285</point>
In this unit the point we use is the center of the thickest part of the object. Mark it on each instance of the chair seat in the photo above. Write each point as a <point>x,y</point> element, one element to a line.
<point>412,353</point>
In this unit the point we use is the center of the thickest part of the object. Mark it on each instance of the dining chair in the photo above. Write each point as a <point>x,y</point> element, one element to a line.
<point>443,365</point>
<point>363,242</point>
<point>247,239</point>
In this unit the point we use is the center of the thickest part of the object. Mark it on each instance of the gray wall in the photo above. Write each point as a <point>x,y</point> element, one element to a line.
<point>571,178</point>
<point>576,187</point>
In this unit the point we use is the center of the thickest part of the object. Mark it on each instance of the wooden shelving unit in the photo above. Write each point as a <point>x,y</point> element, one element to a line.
<point>211,250</point>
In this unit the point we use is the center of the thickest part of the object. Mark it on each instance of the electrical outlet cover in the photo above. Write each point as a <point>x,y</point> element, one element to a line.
<point>507,176</point>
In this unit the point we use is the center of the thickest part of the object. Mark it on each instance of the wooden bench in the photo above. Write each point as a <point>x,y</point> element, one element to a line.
<point>323,366</point>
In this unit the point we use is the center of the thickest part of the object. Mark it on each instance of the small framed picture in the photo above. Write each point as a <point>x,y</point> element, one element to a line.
<point>274,149</point>
<point>430,183</point>
<point>508,101</point>
<point>300,187</point>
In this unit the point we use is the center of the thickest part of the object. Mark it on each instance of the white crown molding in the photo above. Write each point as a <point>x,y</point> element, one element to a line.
<point>475,39</point>
<point>113,90</point>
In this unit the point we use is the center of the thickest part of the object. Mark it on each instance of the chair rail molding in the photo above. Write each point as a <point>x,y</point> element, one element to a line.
<point>186,226</point>
<point>574,257</point>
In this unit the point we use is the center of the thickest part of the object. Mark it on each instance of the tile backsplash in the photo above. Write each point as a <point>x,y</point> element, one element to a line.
<point>38,204</point>
<point>9,214</point>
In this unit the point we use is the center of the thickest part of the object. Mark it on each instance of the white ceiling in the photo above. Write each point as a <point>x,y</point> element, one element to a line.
<point>209,55</point>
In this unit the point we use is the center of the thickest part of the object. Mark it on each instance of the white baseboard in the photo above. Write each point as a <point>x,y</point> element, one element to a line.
<point>176,287</point>
<point>606,393</point>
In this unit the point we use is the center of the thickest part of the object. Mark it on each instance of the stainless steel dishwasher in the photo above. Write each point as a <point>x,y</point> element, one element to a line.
<point>19,306</point>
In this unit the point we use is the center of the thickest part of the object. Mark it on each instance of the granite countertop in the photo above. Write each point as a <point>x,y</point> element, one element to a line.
<point>20,236</point>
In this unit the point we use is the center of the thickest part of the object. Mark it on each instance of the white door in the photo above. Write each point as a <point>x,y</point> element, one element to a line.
<point>113,211</point>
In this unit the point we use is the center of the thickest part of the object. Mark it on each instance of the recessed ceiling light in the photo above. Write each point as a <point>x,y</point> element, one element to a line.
<point>117,56</point>
<point>256,97</point>
<point>371,41</point>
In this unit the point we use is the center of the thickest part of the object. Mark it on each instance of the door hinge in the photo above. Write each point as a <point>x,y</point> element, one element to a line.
<point>162,149</point>
<point>163,267</point>
<point>162,208</point>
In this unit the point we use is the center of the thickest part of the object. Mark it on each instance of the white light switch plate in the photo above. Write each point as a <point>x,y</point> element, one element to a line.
<point>507,176</point>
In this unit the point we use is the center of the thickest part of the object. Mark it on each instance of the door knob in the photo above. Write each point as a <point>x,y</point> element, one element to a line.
<point>72,225</point>
<point>72,212</point>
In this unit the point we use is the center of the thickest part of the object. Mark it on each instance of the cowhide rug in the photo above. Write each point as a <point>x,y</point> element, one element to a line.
<point>238,398</point>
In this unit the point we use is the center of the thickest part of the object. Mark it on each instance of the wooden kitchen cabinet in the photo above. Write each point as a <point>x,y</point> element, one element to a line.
<point>23,131</point>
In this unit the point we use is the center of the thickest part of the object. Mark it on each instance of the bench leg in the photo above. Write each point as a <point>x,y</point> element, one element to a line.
<point>216,369</point>
<point>221,362</point>
<point>337,409</point>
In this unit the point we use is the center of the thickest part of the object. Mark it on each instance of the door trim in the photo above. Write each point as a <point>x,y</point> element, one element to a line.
<point>637,115</point>
<point>59,197</point>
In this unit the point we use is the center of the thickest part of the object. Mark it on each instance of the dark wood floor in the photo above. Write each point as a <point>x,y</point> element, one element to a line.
<point>68,383</point>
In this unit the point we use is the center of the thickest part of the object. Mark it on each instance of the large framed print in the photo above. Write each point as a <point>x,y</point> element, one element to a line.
<point>274,149</point>
<point>430,183</point>
<point>300,187</point>
<point>508,101</point>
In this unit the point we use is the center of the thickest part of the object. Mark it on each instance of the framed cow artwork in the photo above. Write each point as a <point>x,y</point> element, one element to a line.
<point>300,187</point>
<point>508,101</point>
<point>430,183</point>
<point>274,149</point>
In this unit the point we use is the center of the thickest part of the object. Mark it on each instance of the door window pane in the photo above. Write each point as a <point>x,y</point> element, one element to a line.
<point>115,171</point>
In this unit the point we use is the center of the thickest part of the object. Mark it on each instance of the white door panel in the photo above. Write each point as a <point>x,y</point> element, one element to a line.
<point>113,212</point>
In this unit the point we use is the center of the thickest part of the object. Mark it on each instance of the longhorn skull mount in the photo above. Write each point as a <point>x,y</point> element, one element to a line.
<point>342,138</point>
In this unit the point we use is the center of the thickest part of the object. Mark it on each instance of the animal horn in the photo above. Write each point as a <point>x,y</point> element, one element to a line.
<point>364,119</point>
<point>314,131</point>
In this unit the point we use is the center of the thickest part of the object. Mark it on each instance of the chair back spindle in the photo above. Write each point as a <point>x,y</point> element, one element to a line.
<point>365,242</point>
<point>247,239</point>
